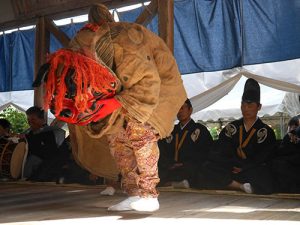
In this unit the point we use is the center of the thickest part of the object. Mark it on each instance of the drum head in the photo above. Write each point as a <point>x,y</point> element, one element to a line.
<point>17,159</point>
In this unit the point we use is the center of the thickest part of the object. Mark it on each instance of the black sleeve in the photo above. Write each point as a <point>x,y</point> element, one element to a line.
<point>43,145</point>
<point>222,151</point>
<point>165,157</point>
<point>262,152</point>
<point>204,145</point>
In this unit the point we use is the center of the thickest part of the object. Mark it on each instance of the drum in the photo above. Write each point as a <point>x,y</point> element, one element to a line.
<point>12,157</point>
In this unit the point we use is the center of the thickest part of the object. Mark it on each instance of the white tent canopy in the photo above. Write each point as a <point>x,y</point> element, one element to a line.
<point>272,100</point>
<point>280,89</point>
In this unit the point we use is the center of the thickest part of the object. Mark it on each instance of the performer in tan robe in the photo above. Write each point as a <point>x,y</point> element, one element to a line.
<point>151,93</point>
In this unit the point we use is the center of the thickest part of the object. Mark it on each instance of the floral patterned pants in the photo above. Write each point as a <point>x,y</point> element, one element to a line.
<point>136,153</point>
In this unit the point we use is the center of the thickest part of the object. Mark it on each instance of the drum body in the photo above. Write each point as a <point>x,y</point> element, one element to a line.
<point>12,157</point>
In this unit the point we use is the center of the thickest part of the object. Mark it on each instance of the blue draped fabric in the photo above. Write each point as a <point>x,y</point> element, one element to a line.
<point>212,35</point>
<point>22,60</point>
<point>209,35</point>
<point>17,57</point>
<point>271,30</point>
<point>70,30</point>
<point>131,15</point>
<point>5,63</point>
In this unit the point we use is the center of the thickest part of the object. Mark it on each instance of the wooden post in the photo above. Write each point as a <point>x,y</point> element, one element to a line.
<point>42,45</point>
<point>166,22</point>
<point>148,14</point>
<point>58,34</point>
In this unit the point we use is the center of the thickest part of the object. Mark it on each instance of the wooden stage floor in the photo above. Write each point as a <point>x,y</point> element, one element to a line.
<point>25,203</point>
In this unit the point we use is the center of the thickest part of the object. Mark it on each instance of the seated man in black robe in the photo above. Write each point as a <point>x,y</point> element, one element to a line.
<point>286,163</point>
<point>183,152</point>
<point>43,144</point>
<point>241,159</point>
<point>5,128</point>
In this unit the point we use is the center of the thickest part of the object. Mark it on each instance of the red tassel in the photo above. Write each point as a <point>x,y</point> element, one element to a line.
<point>92,26</point>
<point>90,76</point>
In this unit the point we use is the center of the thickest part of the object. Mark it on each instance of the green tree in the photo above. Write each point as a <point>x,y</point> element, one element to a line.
<point>214,132</point>
<point>17,119</point>
<point>277,134</point>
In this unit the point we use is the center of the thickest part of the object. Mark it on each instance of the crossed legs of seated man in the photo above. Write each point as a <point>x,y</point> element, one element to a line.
<point>257,180</point>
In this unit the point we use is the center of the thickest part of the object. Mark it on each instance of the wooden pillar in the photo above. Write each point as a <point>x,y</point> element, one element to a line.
<point>166,22</point>
<point>148,14</point>
<point>58,34</point>
<point>42,45</point>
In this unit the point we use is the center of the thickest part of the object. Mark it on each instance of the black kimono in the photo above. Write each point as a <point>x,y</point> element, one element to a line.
<point>286,165</point>
<point>44,157</point>
<point>188,146</point>
<point>241,156</point>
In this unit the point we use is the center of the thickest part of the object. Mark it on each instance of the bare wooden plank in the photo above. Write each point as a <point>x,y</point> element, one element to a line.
<point>166,22</point>
<point>148,14</point>
<point>42,43</point>
<point>60,36</point>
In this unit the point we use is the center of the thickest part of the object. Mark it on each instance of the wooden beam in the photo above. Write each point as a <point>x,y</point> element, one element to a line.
<point>17,23</point>
<point>42,45</point>
<point>15,6</point>
<point>166,22</point>
<point>148,14</point>
<point>55,9</point>
<point>60,35</point>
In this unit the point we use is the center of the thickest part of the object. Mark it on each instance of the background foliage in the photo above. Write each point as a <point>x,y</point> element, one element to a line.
<point>17,119</point>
